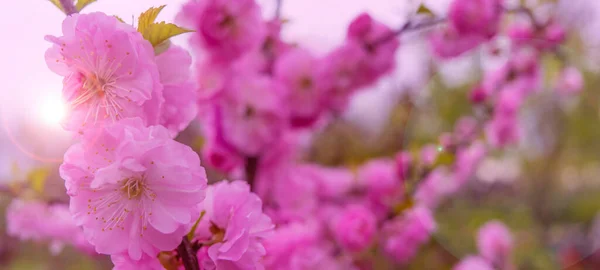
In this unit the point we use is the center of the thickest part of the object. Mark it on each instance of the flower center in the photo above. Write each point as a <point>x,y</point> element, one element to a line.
<point>133,187</point>
<point>95,85</point>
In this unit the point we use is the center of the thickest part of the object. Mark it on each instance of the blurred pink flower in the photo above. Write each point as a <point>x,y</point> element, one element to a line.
<point>226,29</point>
<point>436,186</point>
<point>448,43</point>
<point>379,178</point>
<point>467,160</point>
<point>180,106</point>
<point>495,242</point>
<point>253,113</point>
<point>234,219</point>
<point>570,81</point>
<point>37,221</point>
<point>476,17</point>
<point>473,263</point>
<point>373,38</point>
<point>296,70</point>
<point>133,188</point>
<point>406,233</point>
<point>109,71</point>
<point>124,262</point>
<point>355,227</point>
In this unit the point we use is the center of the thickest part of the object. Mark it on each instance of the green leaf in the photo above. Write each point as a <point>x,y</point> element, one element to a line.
<point>82,4</point>
<point>192,232</point>
<point>158,33</point>
<point>148,17</point>
<point>424,10</point>
<point>57,4</point>
<point>37,179</point>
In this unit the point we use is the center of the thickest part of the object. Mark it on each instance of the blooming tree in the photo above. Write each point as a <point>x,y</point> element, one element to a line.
<point>140,196</point>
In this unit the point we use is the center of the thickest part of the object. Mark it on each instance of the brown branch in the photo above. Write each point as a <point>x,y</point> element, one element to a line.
<point>251,169</point>
<point>187,254</point>
<point>407,27</point>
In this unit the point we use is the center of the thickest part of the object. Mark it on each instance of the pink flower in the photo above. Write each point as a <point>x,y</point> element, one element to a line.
<point>476,17</point>
<point>133,188</point>
<point>448,43</point>
<point>294,192</point>
<point>300,246</point>
<point>355,228</point>
<point>429,154</point>
<point>570,81</point>
<point>226,29</point>
<point>407,233</point>
<point>502,130</point>
<point>124,262</point>
<point>253,113</point>
<point>379,59</point>
<point>495,242</point>
<point>381,181</point>
<point>473,263</point>
<point>465,129</point>
<point>436,186</point>
<point>109,71</point>
<point>297,71</point>
<point>237,226</point>
<point>32,220</point>
<point>180,106</point>
<point>339,70</point>
<point>467,160</point>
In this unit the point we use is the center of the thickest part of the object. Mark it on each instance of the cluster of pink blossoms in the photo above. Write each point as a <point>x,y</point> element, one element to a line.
<point>141,197</point>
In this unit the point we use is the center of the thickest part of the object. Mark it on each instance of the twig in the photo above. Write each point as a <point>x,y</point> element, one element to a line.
<point>68,6</point>
<point>187,254</point>
<point>407,27</point>
<point>278,9</point>
<point>251,169</point>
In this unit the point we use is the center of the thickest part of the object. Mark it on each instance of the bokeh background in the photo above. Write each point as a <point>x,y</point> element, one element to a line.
<point>546,189</point>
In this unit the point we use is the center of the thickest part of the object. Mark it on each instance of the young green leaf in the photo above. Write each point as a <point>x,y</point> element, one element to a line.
<point>157,33</point>
<point>148,17</point>
<point>424,10</point>
<point>83,3</point>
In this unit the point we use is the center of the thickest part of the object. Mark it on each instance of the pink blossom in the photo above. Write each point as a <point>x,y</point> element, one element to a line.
<point>407,233</point>
<point>437,185</point>
<point>476,17</point>
<point>297,71</point>
<point>235,222</point>
<point>133,188</point>
<point>495,242</point>
<point>253,113</point>
<point>216,151</point>
<point>381,181</point>
<point>300,246</point>
<point>473,263</point>
<point>179,92</point>
<point>37,221</point>
<point>570,81</point>
<point>293,191</point>
<point>355,228</point>
<point>448,43</point>
<point>368,34</point>
<point>467,160</point>
<point>109,71</point>
<point>226,29</point>
<point>502,130</point>
<point>339,70</point>
<point>124,262</point>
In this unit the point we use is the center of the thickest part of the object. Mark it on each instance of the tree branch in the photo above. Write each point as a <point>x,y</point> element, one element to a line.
<point>251,169</point>
<point>187,254</point>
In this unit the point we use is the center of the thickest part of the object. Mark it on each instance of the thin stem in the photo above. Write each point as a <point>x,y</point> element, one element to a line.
<point>68,6</point>
<point>187,254</point>
<point>278,9</point>
<point>407,27</point>
<point>251,169</point>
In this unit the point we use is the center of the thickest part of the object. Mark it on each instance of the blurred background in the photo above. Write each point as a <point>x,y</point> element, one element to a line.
<point>546,189</point>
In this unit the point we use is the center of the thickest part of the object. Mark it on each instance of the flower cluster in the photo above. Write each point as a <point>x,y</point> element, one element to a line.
<point>141,197</point>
